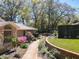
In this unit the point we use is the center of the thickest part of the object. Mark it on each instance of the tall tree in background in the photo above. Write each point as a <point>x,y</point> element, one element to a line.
<point>46,14</point>
<point>51,13</point>
<point>35,10</point>
<point>57,11</point>
<point>9,8</point>
<point>39,13</point>
<point>25,14</point>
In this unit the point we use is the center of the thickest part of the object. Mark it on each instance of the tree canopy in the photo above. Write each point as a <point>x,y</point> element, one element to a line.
<point>45,15</point>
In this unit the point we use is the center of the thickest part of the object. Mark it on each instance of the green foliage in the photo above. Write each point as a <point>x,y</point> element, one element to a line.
<point>9,8</point>
<point>2,49</point>
<point>66,44</point>
<point>25,14</point>
<point>42,48</point>
<point>53,53</point>
<point>35,1</point>
<point>24,46</point>
<point>7,38</point>
<point>51,14</point>
<point>14,41</point>
<point>4,57</point>
<point>11,39</point>
<point>50,54</point>
<point>45,14</point>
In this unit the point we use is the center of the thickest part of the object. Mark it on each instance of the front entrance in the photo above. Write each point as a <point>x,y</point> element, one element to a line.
<point>7,34</point>
<point>7,37</point>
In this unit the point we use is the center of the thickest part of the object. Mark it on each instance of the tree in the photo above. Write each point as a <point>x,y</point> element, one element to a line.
<point>9,8</point>
<point>56,11</point>
<point>35,11</point>
<point>39,15</point>
<point>25,12</point>
<point>48,14</point>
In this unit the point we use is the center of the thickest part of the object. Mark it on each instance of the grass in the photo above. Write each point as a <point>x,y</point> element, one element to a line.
<point>69,44</point>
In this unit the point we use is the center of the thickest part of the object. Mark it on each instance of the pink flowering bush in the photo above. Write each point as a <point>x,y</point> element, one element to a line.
<point>22,39</point>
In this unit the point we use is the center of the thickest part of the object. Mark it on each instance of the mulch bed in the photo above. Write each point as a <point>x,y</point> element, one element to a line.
<point>15,53</point>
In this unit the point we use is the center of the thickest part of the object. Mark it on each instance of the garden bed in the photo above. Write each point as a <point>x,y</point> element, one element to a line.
<point>15,53</point>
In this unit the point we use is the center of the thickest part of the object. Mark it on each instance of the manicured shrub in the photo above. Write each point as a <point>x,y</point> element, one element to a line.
<point>14,41</point>
<point>7,39</point>
<point>24,46</point>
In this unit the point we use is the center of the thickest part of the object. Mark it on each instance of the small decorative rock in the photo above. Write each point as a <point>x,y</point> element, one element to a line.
<point>17,55</point>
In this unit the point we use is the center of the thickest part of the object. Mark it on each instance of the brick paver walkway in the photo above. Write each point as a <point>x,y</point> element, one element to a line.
<point>32,51</point>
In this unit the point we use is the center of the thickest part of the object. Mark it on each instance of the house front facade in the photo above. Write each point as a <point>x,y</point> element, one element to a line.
<point>8,29</point>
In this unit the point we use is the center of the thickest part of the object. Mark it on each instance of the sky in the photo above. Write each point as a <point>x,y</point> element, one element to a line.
<point>73,3</point>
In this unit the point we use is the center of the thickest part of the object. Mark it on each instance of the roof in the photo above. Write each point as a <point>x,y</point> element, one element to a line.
<point>24,27</point>
<point>1,20</point>
<point>18,26</point>
<point>76,23</point>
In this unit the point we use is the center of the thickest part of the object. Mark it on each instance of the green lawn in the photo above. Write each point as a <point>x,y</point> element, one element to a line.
<point>69,44</point>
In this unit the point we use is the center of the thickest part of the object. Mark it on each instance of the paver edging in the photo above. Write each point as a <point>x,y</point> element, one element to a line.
<point>63,51</point>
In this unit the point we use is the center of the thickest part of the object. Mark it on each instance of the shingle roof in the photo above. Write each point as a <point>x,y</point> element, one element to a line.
<point>24,27</point>
<point>18,26</point>
<point>1,20</point>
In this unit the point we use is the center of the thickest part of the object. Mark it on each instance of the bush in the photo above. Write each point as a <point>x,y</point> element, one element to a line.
<point>50,54</point>
<point>7,39</point>
<point>3,57</point>
<point>42,48</point>
<point>2,49</point>
<point>54,53</point>
<point>22,39</point>
<point>24,46</point>
<point>14,41</point>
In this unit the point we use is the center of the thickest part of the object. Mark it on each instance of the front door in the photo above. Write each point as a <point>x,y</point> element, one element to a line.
<point>7,36</point>
<point>7,33</point>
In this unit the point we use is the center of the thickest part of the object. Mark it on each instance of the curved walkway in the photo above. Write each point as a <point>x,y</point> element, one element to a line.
<point>32,51</point>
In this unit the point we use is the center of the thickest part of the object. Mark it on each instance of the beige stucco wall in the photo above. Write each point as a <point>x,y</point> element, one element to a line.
<point>20,33</point>
<point>1,33</point>
<point>14,32</point>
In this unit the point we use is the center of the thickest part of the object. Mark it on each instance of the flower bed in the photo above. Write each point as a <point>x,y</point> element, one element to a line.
<point>19,47</point>
<point>15,53</point>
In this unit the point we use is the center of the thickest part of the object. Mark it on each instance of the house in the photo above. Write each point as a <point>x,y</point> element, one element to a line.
<point>69,31</point>
<point>8,28</point>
